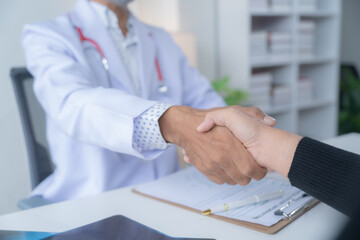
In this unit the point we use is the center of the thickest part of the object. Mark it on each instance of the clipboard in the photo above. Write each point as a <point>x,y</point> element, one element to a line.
<point>257,227</point>
<point>268,217</point>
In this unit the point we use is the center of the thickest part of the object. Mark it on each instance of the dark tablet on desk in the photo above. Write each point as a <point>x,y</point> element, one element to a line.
<point>114,228</point>
<point>19,235</point>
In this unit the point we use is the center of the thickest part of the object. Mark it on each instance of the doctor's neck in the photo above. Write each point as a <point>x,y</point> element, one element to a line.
<point>122,13</point>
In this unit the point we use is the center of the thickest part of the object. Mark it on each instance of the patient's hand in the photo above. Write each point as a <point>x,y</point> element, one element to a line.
<point>271,148</point>
<point>217,153</point>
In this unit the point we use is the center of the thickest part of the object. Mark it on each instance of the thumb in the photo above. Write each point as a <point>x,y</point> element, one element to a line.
<point>206,125</point>
<point>212,119</point>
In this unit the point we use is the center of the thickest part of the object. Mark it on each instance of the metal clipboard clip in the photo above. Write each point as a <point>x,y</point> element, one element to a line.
<point>297,211</point>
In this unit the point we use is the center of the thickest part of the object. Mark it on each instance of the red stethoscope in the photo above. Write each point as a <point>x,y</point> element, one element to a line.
<point>162,88</point>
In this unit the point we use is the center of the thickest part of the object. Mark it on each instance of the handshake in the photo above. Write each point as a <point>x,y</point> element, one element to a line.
<point>229,145</point>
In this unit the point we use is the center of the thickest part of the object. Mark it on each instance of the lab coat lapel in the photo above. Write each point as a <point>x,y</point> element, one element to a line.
<point>85,17</point>
<point>146,57</point>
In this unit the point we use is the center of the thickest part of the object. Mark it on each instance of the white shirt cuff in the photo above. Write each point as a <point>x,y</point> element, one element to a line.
<point>147,135</point>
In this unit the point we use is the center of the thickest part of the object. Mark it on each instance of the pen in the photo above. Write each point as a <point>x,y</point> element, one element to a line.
<point>254,199</point>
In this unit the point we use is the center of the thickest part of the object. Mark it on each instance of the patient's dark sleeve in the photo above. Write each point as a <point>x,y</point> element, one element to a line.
<point>327,173</point>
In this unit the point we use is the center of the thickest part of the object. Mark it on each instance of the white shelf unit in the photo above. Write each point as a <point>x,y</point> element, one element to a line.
<point>222,29</point>
<point>236,21</point>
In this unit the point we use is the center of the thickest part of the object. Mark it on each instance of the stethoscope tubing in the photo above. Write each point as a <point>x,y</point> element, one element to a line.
<point>162,87</point>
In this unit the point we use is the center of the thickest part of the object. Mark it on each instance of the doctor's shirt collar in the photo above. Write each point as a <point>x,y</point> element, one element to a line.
<point>110,21</point>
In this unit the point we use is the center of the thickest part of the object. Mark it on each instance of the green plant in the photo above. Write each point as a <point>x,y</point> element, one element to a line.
<point>231,96</point>
<point>349,114</point>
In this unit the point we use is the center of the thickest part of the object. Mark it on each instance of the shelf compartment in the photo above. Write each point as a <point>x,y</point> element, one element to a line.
<point>323,38</point>
<point>261,86</point>
<point>318,123</point>
<point>324,78</point>
<point>271,23</point>
<point>271,41</point>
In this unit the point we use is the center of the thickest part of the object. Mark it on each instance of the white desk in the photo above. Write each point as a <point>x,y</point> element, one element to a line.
<point>322,222</point>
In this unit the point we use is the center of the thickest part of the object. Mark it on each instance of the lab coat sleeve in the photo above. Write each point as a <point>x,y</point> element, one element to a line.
<point>82,110</point>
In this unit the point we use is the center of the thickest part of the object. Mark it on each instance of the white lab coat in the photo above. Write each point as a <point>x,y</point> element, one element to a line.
<point>89,124</point>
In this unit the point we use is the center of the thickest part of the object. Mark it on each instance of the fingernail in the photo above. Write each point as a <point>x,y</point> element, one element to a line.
<point>269,120</point>
<point>199,128</point>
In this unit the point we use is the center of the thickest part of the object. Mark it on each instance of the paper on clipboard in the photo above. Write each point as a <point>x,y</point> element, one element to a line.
<point>191,189</point>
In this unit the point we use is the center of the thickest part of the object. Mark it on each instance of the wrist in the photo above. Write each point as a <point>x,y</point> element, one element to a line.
<point>178,121</point>
<point>281,147</point>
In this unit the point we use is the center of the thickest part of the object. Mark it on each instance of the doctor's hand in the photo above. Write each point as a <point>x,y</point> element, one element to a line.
<point>271,148</point>
<point>218,154</point>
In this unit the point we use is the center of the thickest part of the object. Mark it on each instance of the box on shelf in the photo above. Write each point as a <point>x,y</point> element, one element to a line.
<point>281,95</point>
<point>306,40</point>
<point>261,79</point>
<point>307,26</point>
<point>258,46</point>
<point>260,91</point>
<point>278,52</point>
<point>307,5</point>
<point>280,45</point>
<point>280,37</point>
<point>262,102</point>
<point>260,87</point>
<point>258,40</point>
<point>305,91</point>
<point>306,52</point>
<point>270,46</point>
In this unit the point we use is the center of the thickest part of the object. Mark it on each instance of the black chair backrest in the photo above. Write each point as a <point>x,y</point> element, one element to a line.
<point>33,123</point>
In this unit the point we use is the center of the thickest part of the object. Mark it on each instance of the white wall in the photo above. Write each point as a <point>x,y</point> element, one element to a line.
<point>200,18</point>
<point>166,14</point>
<point>161,13</point>
<point>14,178</point>
<point>187,18</point>
<point>350,42</point>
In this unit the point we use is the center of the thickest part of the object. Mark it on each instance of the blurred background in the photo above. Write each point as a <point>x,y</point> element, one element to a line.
<point>295,59</point>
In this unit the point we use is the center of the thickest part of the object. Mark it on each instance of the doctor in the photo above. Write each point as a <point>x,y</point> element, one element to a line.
<point>105,80</point>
